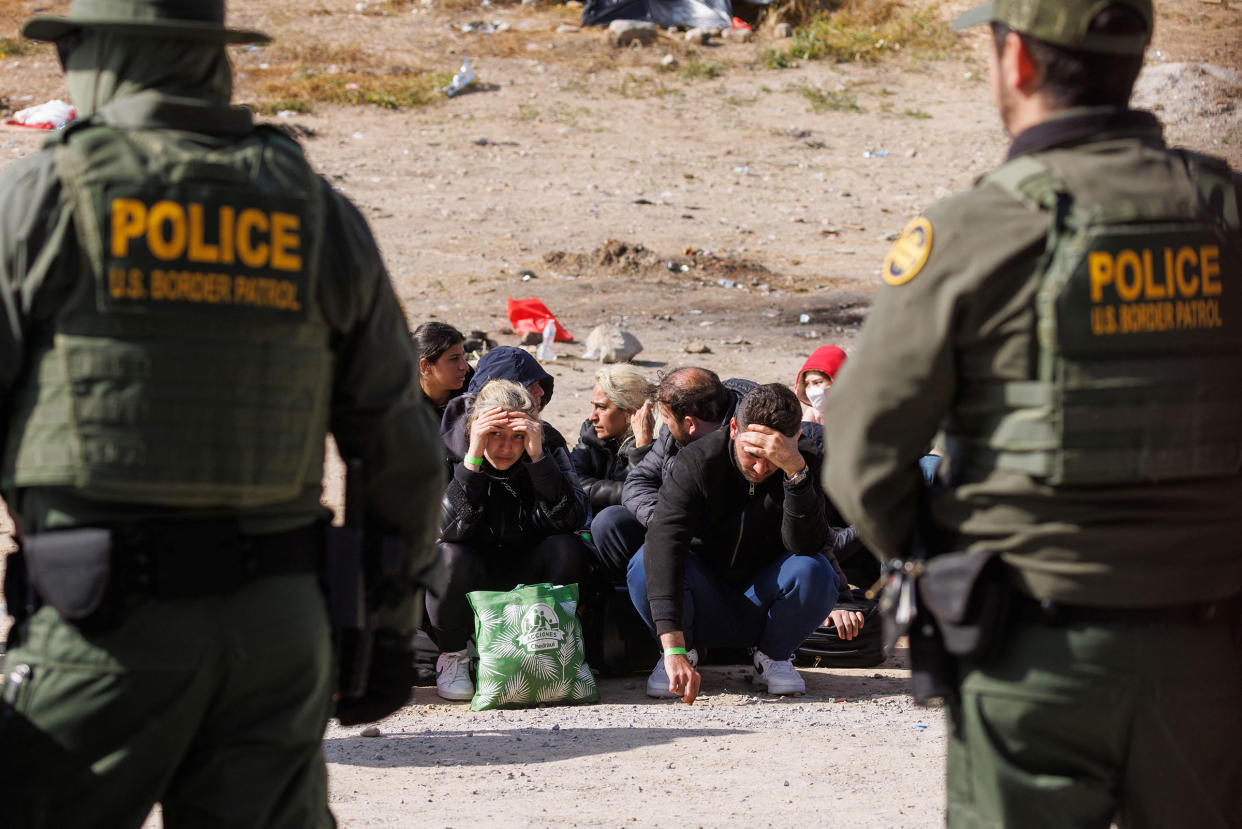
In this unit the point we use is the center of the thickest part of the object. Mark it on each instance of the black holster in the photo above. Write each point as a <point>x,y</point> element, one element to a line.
<point>345,586</point>
<point>19,594</point>
<point>964,604</point>
<point>933,670</point>
<point>72,570</point>
<point>969,597</point>
<point>375,667</point>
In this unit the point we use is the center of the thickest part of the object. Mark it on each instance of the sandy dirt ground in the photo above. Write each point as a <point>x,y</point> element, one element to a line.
<point>719,213</point>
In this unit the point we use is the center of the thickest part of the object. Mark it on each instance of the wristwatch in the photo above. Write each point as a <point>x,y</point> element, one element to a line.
<point>798,477</point>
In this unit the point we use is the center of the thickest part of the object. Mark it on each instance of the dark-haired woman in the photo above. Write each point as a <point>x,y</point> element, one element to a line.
<point>442,366</point>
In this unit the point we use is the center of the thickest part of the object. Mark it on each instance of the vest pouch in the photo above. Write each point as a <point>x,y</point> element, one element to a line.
<point>72,571</point>
<point>969,597</point>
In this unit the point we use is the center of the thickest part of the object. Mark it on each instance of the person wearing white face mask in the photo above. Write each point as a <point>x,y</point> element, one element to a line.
<point>814,379</point>
<point>817,384</point>
<point>811,384</point>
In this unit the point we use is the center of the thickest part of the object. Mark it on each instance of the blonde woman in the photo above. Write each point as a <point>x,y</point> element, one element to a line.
<point>509,516</point>
<point>616,434</point>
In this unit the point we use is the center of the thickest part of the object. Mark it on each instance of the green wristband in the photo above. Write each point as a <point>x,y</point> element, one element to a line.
<point>674,651</point>
<point>475,462</point>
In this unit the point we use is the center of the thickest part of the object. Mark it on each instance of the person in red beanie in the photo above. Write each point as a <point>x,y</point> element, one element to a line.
<point>816,375</point>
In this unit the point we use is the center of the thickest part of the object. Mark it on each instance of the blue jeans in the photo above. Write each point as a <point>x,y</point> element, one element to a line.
<point>929,464</point>
<point>780,607</point>
<point>617,535</point>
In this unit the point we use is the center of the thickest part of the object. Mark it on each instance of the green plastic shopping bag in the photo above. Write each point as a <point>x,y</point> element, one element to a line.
<point>530,648</point>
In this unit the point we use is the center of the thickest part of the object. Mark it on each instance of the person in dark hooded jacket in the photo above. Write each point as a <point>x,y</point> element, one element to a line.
<point>509,516</point>
<point>506,362</point>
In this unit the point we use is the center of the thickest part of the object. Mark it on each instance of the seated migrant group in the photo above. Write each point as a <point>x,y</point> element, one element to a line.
<point>716,523</point>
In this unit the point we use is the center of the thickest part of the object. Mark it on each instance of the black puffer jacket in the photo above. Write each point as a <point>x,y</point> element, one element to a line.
<point>516,507</point>
<point>602,464</point>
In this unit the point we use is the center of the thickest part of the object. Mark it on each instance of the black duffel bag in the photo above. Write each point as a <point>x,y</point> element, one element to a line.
<point>616,640</point>
<point>825,649</point>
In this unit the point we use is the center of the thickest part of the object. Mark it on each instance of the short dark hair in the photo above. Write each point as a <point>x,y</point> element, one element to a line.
<point>693,392</point>
<point>772,405</point>
<point>1074,78</point>
<point>432,339</point>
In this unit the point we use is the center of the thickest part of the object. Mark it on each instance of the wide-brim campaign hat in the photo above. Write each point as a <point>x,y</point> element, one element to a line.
<point>1064,23</point>
<point>201,20</point>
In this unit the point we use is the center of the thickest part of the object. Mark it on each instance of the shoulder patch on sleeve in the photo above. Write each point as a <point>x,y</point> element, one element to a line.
<point>909,253</point>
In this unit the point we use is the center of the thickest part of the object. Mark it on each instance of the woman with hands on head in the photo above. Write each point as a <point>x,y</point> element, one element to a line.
<point>508,518</point>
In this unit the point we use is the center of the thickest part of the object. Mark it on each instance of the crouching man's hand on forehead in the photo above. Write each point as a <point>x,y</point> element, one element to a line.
<point>762,450</point>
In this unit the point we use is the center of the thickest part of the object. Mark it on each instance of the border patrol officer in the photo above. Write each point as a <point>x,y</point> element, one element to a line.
<point>1073,325</point>
<point>188,309</point>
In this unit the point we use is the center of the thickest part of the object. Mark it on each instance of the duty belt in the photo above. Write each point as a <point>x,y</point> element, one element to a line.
<point>1054,613</point>
<point>183,559</point>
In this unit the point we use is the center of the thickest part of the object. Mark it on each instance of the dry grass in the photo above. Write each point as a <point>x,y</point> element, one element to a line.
<point>297,73</point>
<point>15,47</point>
<point>848,30</point>
<point>300,70</point>
<point>301,91</point>
<point>697,69</point>
<point>829,100</point>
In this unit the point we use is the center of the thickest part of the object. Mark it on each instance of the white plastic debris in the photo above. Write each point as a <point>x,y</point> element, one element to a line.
<point>544,352</point>
<point>50,116</point>
<point>463,79</point>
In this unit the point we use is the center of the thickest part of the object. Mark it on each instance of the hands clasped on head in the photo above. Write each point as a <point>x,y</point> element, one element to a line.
<point>501,435</point>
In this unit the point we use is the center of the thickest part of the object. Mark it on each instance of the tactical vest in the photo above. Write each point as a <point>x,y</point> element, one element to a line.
<point>1139,333</point>
<point>189,366</point>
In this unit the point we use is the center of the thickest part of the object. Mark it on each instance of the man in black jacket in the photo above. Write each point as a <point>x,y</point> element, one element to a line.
<point>735,552</point>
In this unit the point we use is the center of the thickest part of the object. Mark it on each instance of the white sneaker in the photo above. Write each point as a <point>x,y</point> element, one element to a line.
<point>778,677</point>
<point>453,676</point>
<point>657,683</point>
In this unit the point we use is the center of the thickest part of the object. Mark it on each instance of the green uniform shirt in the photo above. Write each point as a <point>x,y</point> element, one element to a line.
<point>959,307</point>
<point>377,410</point>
